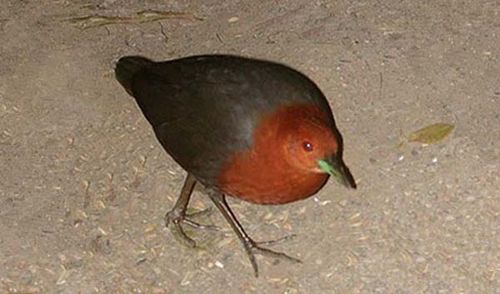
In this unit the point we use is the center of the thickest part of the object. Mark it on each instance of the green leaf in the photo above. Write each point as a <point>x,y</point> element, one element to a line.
<point>431,134</point>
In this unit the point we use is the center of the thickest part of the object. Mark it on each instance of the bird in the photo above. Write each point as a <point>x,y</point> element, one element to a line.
<point>247,128</point>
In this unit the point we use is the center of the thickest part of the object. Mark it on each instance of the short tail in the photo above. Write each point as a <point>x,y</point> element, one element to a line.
<point>127,67</point>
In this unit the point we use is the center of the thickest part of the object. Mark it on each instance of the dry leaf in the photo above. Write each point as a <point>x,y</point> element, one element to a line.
<point>431,134</point>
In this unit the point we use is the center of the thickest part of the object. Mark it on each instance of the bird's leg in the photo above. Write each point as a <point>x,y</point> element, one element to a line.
<point>251,247</point>
<point>177,215</point>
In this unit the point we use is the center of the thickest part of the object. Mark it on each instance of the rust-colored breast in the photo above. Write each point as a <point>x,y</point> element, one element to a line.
<point>262,174</point>
<point>258,181</point>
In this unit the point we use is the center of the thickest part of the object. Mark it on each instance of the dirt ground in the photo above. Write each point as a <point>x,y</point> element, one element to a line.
<point>84,185</point>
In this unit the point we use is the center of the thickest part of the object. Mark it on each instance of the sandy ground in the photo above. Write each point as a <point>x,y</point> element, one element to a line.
<point>84,185</point>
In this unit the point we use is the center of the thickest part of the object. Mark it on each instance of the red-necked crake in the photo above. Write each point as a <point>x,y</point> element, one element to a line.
<point>246,128</point>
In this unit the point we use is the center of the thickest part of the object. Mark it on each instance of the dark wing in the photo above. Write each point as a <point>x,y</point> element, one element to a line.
<point>196,112</point>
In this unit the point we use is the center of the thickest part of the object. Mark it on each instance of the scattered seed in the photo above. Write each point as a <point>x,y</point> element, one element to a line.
<point>356,215</point>
<point>355,225</point>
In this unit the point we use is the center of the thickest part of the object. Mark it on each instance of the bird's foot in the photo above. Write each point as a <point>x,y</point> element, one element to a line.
<point>252,248</point>
<point>175,218</point>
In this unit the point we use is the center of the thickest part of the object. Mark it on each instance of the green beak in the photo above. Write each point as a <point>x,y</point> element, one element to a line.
<point>337,169</point>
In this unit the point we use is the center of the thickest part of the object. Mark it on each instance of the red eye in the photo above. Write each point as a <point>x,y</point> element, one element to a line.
<point>307,146</point>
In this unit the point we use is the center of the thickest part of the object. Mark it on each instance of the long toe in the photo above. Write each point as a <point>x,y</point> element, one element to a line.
<point>276,241</point>
<point>274,254</point>
<point>180,235</point>
<point>174,220</point>
<point>252,248</point>
<point>199,213</point>
<point>200,226</point>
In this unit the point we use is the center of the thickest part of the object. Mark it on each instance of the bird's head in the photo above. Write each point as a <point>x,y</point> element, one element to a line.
<point>313,146</point>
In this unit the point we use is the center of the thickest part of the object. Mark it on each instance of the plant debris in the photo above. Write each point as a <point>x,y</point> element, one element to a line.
<point>93,21</point>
